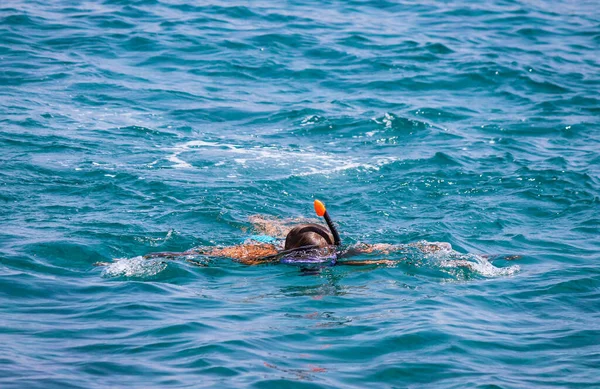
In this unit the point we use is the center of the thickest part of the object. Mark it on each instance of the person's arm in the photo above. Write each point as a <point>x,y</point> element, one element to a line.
<point>257,261</point>
<point>249,254</point>
<point>367,262</point>
<point>174,254</point>
<point>382,248</point>
<point>166,255</point>
<point>491,257</point>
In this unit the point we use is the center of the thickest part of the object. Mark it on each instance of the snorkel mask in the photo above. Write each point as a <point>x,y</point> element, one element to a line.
<point>310,256</point>
<point>314,255</point>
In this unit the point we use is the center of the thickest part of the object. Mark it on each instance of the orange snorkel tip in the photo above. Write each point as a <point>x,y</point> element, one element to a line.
<point>320,208</point>
<point>322,212</point>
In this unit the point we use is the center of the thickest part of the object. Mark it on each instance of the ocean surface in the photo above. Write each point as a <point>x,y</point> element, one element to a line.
<point>131,127</point>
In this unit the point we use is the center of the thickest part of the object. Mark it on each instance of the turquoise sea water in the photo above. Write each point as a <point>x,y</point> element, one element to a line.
<point>128,127</point>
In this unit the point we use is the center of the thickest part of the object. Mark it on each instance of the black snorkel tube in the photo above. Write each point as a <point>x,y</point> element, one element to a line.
<point>321,211</point>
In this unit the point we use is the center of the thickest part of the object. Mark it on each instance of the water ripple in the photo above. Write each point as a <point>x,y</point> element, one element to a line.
<point>157,125</point>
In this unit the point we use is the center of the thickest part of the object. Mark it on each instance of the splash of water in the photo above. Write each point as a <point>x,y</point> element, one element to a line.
<point>136,267</point>
<point>462,265</point>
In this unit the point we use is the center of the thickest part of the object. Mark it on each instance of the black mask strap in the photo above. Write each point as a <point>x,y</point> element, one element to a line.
<point>317,231</point>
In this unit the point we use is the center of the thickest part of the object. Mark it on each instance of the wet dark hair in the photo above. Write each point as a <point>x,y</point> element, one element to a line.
<point>308,235</point>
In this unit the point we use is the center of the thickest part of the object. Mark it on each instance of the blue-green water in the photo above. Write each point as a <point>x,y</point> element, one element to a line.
<point>158,125</point>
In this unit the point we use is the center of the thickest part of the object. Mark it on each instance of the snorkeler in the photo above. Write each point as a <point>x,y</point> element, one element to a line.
<point>306,244</point>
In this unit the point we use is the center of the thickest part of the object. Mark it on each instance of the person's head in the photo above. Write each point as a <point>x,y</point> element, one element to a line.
<point>308,235</point>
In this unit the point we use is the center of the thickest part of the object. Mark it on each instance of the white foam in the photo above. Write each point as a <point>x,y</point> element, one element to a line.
<point>442,255</point>
<point>134,267</point>
<point>312,119</point>
<point>388,119</point>
<point>450,259</point>
<point>178,162</point>
<point>347,166</point>
<point>183,147</point>
<point>299,162</point>
<point>481,266</point>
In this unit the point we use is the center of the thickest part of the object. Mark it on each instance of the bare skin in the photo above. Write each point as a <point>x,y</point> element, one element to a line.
<point>366,263</point>
<point>277,228</point>
<point>249,254</point>
<point>255,253</point>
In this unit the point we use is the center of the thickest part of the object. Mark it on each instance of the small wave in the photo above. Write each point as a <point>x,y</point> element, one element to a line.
<point>297,162</point>
<point>394,122</point>
<point>136,267</point>
<point>463,266</point>
<point>435,257</point>
<point>438,48</point>
<point>480,266</point>
<point>460,266</point>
